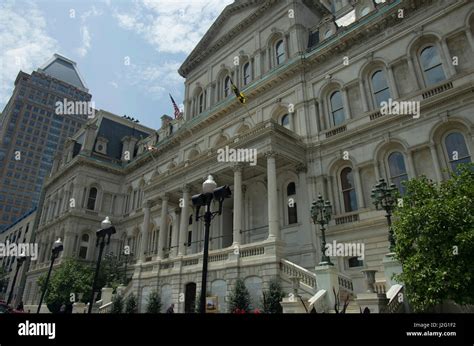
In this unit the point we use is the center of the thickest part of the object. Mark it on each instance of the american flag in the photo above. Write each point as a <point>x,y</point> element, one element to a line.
<point>177,112</point>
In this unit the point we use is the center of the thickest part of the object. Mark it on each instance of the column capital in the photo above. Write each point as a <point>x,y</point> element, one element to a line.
<point>238,167</point>
<point>186,188</point>
<point>270,154</point>
<point>165,197</point>
<point>148,203</point>
<point>301,168</point>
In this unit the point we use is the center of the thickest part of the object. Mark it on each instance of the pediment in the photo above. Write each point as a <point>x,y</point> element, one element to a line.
<point>233,19</point>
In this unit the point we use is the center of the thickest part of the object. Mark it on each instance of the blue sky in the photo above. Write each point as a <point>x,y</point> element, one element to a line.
<point>127,51</point>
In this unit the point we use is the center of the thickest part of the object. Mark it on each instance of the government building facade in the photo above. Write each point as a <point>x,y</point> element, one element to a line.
<point>315,74</point>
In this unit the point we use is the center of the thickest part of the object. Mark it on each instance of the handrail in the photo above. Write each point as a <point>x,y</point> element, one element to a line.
<point>293,270</point>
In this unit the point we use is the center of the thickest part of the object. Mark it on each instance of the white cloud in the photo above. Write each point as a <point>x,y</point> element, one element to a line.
<point>155,80</point>
<point>93,12</point>
<point>172,26</point>
<point>26,44</point>
<point>86,41</point>
<point>113,84</point>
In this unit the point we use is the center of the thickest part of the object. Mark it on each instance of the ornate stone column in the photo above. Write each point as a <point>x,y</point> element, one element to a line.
<point>410,165</point>
<point>363,95</point>
<point>145,228</point>
<point>449,61</point>
<point>175,234</point>
<point>358,187</point>
<point>183,227</point>
<point>273,214</point>
<point>434,157</point>
<point>163,226</point>
<point>470,38</point>
<point>392,83</point>
<point>412,71</point>
<point>237,222</point>
<point>345,101</point>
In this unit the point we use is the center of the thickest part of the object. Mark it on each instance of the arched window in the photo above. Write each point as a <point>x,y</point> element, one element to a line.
<point>285,121</point>
<point>280,52</point>
<point>190,231</point>
<point>456,150</point>
<point>328,34</point>
<point>432,65</point>
<point>84,246</point>
<point>201,103</point>
<point>291,203</point>
<point>380,87</point>
<point>246,73</point>
<point>227,86</point>
<point>92,198</point>
<point>337,108</point>
<point>348,190</point>
<point>397,170</point>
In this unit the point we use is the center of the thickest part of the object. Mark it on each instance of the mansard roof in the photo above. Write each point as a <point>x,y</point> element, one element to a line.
<point>64,69</point>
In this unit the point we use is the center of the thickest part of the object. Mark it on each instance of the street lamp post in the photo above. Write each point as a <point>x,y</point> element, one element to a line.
<point>384,197</point>
<point>321,214</point>
<point>127,254</point>
<point>57,248</point>
<point>106,231</point>
<point>19,262</point>
<point>209,193</point>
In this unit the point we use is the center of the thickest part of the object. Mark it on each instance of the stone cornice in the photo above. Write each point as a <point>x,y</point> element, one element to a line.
<point>202,50</point>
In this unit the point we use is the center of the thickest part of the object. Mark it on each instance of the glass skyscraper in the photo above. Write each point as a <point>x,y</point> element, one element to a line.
<point>31,133</point>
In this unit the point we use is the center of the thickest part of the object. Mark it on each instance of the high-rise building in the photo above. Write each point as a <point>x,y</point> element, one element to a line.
<point>32,131</point>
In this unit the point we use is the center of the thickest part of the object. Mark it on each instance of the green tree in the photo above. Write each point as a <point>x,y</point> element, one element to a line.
<point>154,303</point>
<point>110,274</point>
<point>239,298</point>
<point>131,304</point>
<point>71,277</point>
<point>272,298</point>
<point>117,304</point>
<point>434,232</point>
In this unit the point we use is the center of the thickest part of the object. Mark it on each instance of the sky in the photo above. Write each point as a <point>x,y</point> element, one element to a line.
<point>127,51</point>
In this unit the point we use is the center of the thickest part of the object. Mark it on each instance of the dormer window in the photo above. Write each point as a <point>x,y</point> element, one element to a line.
<point>101,145</point>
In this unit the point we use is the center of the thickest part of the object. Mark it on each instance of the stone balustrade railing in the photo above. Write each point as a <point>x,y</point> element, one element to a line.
<point>345,283</point>
<point>106,309</point>
<point>395,305</point>
<point>293,270</point>
<point>380,287</point>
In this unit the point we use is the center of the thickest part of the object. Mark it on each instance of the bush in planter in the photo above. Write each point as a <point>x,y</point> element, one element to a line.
<point>154,303</point>
<point>131,306</point>
<point>117,304</point>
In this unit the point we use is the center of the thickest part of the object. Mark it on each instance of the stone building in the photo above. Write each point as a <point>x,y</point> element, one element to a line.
<point>20,232</point>
<point>315,77</point>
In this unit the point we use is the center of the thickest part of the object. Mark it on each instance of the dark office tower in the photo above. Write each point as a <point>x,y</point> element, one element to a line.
<point>32,131</point>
